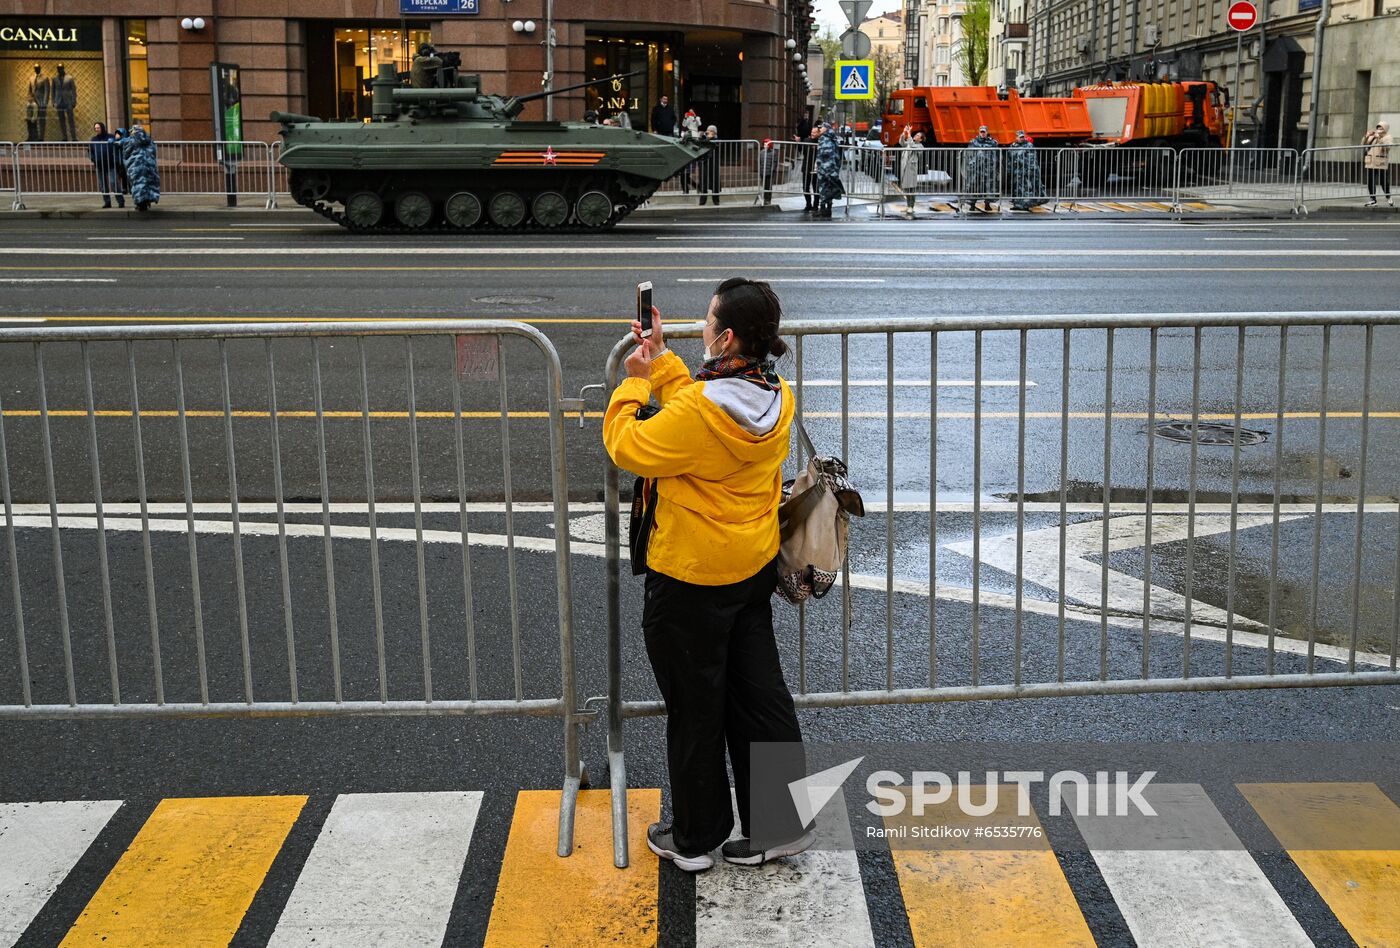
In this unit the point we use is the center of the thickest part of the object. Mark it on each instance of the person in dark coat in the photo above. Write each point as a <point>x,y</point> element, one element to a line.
<point>981,169</point>
<point>809,165</point>
<point>767,165</point>
<point>139,153</point>
<point>709,167</point>
<point>118,145</point>
<point>829,186</point>
<point>1026,186</point>
<point>663,118</point>
<point>105,158</point>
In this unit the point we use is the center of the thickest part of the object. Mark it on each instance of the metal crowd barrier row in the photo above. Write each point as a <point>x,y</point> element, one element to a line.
<point>1341,174</point>
<point>236,601</point>
<point>241,169</point>
<point>1069,605</point>
<point>1256,175</point>
<point>730,166</point>
<point>9,175</point>
<point>1106,175</point>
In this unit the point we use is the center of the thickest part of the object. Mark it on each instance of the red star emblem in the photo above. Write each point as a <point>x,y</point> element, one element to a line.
<point>549,156</point>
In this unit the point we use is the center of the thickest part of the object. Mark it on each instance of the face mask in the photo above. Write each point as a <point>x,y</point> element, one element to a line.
<point>708,354</point>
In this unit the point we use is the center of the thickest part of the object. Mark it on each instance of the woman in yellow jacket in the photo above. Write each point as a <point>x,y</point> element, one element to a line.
<point>716,449</point>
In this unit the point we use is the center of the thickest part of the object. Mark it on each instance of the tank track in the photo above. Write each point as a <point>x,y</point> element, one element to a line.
<point>484,226</point>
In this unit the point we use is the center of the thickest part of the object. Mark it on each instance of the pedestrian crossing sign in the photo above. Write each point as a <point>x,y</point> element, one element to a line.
<point>854,79</point>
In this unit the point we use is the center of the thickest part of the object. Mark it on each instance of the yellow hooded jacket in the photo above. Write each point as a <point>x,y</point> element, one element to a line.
<point>717,449</point>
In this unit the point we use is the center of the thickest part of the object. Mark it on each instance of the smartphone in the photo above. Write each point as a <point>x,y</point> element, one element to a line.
<point>644,307</point>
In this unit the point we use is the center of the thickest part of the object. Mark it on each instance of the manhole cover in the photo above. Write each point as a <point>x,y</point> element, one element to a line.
<point>1209,432</point>
<point>513,300</point>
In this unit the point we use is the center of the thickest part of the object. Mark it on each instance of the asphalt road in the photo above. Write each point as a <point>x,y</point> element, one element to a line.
<point>579,293</point>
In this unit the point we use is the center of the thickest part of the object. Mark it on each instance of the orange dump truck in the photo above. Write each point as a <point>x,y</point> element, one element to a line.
<point>950,115</point>
<point>1171,114</point>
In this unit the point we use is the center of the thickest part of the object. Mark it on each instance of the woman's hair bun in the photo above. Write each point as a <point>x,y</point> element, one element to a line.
<point>752,310</point>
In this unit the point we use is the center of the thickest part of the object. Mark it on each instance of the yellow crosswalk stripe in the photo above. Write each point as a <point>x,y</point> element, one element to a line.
<point>973,897</point>
<point>543,900</point>
<point>1345,837</point>
<point>189,876</point>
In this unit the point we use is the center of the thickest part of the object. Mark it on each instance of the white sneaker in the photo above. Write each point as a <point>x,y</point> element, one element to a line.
<point>741,851</point>
<point>1370,203</point>
<point>663,843</point>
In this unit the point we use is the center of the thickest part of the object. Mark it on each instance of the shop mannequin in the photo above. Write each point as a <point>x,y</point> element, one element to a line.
<point>40,88</point>
<point>65,99</point>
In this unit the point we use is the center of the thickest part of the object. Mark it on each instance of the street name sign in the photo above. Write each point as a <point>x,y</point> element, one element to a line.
<point>459,7</point>
<point>855,79</point>
<point>1242,16</point>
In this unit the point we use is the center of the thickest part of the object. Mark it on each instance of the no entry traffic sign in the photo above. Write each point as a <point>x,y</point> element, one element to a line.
<point>1242,16</point>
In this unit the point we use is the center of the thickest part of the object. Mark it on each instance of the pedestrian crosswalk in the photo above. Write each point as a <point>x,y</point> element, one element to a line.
<point>386,869</point>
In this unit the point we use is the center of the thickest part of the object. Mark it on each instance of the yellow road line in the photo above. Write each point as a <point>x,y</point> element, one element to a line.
<point>979,897</point>
<point>303,414</point>
<point>190,875</point>
<point>1345,837</point>
<point>543,900</point>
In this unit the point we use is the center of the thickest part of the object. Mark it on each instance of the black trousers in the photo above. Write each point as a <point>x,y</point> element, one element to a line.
<point>716,663</point>
<point>1377,176</point>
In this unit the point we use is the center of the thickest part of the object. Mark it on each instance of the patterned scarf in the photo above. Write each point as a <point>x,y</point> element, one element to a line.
<point>763,374</point>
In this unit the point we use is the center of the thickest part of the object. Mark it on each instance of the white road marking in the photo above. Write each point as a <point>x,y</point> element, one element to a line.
<point>125,239</point>
<point>774,237</point>
<point>1187,879</point>
<point>1273,240</point>
<point>1200,631</point>
<point>916,383</point>
<point>26,320</point>
<point>823,280</point>
<point>39,845</point>
<point>942,253</point>
<point>384,871</point>
<point>816,898</point>
<point>1084,579</point>
<point>58,279</point>
<point>290,224</point>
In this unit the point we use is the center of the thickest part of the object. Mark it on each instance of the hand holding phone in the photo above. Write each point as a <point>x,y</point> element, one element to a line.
<point>644,307</point>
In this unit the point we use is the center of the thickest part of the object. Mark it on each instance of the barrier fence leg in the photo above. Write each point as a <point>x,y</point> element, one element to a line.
<point>18,203</point>
<point>617,767</point>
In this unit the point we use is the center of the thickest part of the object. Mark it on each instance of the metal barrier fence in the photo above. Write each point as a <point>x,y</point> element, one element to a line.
<point>731,165</point>
<point>204,608</point>
<point>1256,175</point>
<point>1339,173</point>
<point>240,169</point>
<point>1179,182</point>
<point>1070,605</point>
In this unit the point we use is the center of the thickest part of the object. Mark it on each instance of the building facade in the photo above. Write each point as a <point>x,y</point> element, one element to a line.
<point>124,61</point>
<point>933,39</point>
<point>886,34</point>
<point>1360,83</point>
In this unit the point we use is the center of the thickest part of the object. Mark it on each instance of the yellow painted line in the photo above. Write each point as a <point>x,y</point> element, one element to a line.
<point>189,876</point>
<point>1345,837</point>
<point>582,899</point>
<point>304,414</point>
<point>1200,206</point>
<point>1120,206</point>
<point>965,896</point>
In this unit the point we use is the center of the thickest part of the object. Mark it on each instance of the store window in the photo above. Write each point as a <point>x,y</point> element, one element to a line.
<point>138,86</point>
<point>358,56</point>
<point>51,79</point>
<point>652,58</point>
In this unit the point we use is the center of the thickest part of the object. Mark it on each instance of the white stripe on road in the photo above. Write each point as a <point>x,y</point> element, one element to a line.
<point>1188,880</point>
<point>915,383</point>
<point>816,898</point>
<point>384,871</point>
<point>1273,240</point>
<point>39,845</point>
<point>774,237</point>
<point>790,280</point>
<point>125,239</point>
<point>26,320</point>
<point>349,249</point>
<point>58,279</point>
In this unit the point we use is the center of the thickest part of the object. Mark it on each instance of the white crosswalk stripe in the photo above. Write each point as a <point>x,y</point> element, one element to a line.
<point>384,871</point>
<point>39,845</point>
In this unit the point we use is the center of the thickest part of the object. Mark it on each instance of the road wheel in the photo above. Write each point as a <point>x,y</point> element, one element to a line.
<point>550,209</point>
<point>413,209</point>
<point>463,210</point>
<point>507,209</point>
<point>364,209</point>
<point>594,209</point>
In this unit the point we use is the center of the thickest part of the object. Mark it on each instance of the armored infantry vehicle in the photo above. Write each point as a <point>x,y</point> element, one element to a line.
<point>439,154</point>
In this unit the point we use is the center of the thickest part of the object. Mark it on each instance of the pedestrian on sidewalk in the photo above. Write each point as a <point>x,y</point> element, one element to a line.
<point>139,155</point>
<point>829,187</point>
<point>118,145</point>
<point>716,451</point>
<point>105,158</point>
<point>1026,185</point>
<point>911,165</point>
<point>710,167</point>
<point>1377,161</point>
<point>807,157</point>
<point>663,118</point>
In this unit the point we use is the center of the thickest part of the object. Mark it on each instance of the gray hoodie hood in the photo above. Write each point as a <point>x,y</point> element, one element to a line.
<point>753,408</point>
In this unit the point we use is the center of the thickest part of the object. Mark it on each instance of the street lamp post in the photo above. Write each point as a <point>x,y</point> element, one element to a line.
<point>548,59</point>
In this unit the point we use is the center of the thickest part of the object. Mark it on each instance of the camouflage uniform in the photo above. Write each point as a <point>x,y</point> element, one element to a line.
<point>828,172</point>
<point>1025,175</point>
<point>980,167</point>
